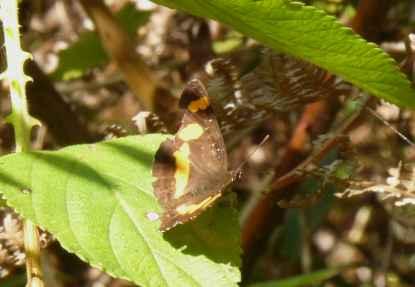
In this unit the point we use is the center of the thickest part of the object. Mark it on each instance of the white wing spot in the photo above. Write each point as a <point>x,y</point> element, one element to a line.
<point>152,216</point>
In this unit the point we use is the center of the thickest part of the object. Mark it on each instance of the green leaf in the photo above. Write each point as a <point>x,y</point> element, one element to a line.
<point>84,54</point>
<point>98,201</point>
<point>292,236</point>
<point>310,34</point>
<point>301,280</point>
<point>16,280</point>
<point>87,52</point>
<point>210,234</point>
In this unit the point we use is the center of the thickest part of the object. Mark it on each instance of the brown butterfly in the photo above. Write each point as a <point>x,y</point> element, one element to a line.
<point>191,169</point>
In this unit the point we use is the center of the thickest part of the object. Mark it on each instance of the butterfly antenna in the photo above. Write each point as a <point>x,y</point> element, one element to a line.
<point>237,171</point>
<point>385,122</point>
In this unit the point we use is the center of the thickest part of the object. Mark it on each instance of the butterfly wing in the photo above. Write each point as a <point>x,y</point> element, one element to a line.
<point>192,168</point>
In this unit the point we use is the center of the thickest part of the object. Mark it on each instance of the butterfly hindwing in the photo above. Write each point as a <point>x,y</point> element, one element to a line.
<point>191,169</point>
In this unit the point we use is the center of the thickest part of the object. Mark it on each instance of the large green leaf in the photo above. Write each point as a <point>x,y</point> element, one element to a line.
<point>310,34</point>
<point>210,234</point>
<point>98,201</point>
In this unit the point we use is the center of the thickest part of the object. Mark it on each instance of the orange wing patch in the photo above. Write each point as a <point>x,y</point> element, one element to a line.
<point>199,104</point>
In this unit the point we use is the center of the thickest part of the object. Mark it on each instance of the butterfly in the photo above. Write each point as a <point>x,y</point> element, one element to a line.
<point>191,169</point>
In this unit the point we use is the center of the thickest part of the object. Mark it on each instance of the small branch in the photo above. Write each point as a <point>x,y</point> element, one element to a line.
<point>32,249</point>
<point>49,106</point>
<point>370,18</point>
<point>120,48</point>
<point>22,123</point>
<point>297,175</point>
<point>258,225</point>
<point>408,65</point>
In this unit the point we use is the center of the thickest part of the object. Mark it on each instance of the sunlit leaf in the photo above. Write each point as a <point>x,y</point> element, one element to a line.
<point>98,201</point>
<point>309,33</point>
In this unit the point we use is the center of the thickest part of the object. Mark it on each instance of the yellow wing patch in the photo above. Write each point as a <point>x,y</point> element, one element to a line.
<point>182,172</point>
<point>185,209</point>
<point>199,104</point>
<point>190,132</point>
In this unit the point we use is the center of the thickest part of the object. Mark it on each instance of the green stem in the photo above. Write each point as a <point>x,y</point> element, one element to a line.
<point>15,56</point>
<point>21,121</point>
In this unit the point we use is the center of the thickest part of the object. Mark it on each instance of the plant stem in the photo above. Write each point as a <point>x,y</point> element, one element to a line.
<point>121,49</point>
<point>32,247</point>
<point>21,121</point>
